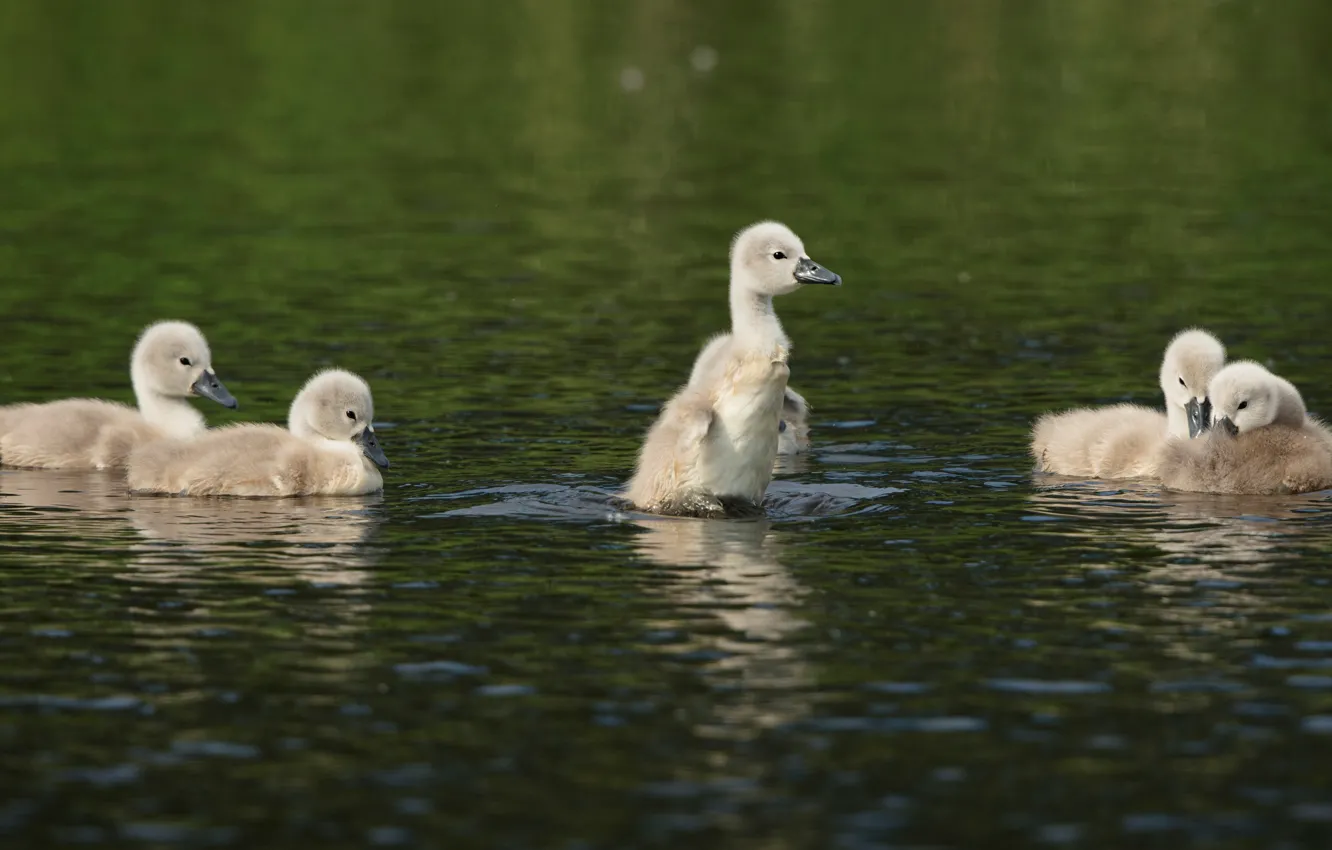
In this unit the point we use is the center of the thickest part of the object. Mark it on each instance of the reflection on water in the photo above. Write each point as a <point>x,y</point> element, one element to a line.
<point>34,492</point>
<point>792,464</point>
<point>1222,558</point>
<point>1194,529</point>
<point>259,546</point>
<point>735,603</point>
<point>738,572</point>
<point>76,509</point>
<point>732,600</point>
<point>321,539</point>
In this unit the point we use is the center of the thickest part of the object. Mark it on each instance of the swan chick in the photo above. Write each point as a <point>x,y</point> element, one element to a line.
<point>792,428</point>
<point>171,362</point>
<point>711,451</point>
<point>1125,440</point>
<point>328,448</point>
<point>1262,440</point>
<point>1191,360</point>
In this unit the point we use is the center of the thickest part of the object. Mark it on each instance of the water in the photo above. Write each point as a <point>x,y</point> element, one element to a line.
<point>513,221</point>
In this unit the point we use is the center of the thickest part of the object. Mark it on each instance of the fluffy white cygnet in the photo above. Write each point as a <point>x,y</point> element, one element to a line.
<point>1125,440</point>
<point>170,363</point>
<point>711,451</point>
<point>792,429</point>
<point>1262,441</point>
<point>328,448</point>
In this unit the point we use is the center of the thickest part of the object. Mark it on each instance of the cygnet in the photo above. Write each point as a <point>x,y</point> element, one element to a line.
<point>1125,440</point>
<point>711,451</point>
<point>329,448</point>
<point>170,363</point>
<point>793,429</point>
<point>1262,441</point>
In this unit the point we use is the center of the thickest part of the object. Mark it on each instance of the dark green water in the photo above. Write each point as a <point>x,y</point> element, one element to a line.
<point>921,647</point>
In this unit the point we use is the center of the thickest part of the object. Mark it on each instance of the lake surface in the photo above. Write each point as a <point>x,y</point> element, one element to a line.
<point>513,220</point>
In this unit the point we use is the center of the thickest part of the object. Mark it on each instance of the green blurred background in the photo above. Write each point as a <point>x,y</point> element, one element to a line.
<point>466,202</point>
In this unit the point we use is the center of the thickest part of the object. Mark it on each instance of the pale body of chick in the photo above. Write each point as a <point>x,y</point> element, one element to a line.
<point>170,363</point>
<point>711,451</point>
<point>792,428</point>
<point>328,448</point>
<point>1126,440</point>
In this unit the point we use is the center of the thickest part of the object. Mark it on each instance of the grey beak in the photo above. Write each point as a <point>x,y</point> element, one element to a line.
<point>369,444</point>
<point>1200,414</point>
<point>1225,426</point>
<point>808,271</point>
<point>210,387</point>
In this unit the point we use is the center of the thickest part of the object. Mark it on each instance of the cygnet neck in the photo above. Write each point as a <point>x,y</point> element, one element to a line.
<point>173,415</point>
<point>1290,406</point>
<point>754,323</point>
<point>299,425</point>
<point>1177,420</point>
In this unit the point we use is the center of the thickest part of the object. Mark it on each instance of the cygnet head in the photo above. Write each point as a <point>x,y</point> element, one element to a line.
<point>1191,360</point>
<point>1246,396</point>
<point>337,405</point>
<point>172,359</point>
<point>768,259</point>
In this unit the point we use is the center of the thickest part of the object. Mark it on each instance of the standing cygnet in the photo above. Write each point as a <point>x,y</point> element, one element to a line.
<point>328,449</point>
<point>711,451</point>
<point>170,363</point>
<point>1125,440</point>
<point>792,429</point>
<point>1262,441</point>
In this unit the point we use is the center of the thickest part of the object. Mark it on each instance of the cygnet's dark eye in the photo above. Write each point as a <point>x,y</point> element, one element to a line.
<point>351,414</point>
<point>778,255</point>
<point>184,361</point>
<point>1242,405</point>
<point>1182,384</point>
